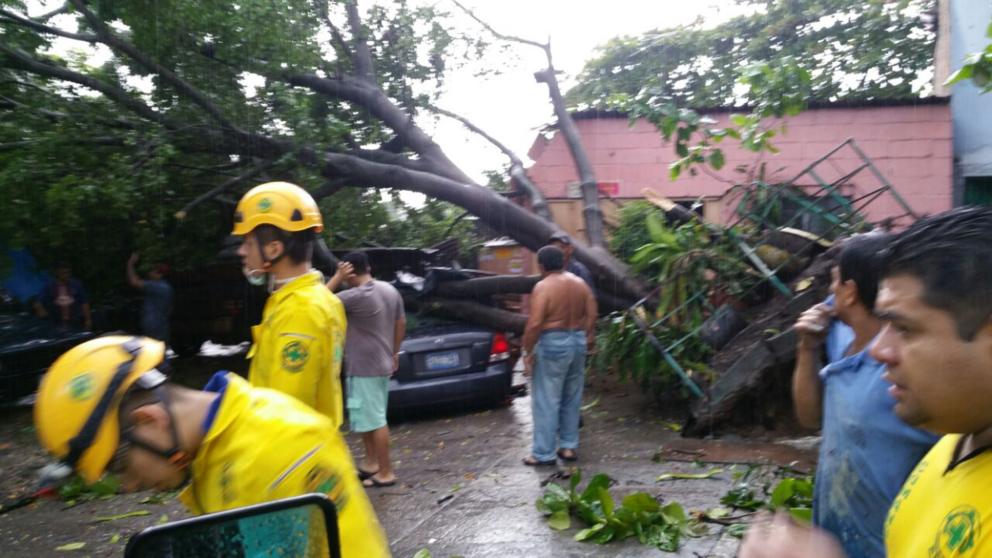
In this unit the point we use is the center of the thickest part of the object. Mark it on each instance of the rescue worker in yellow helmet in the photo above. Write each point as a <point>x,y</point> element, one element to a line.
<point>297,348</point>
<point>105,406</point>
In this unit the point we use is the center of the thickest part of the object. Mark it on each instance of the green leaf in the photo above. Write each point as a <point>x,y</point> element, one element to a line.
<point>607,502</point>
<point>641,502</point>
<point>674,513</point>
<point>605,535</point>
<point>576,478</point>
<point>655,228</point>
<point>738,530</point>
<point>705,475</point>
<point>589,533</point>
<point>804,515</point>
<point>559,521</point>
<point>783,492</point>
<point>122,516</point>
<point>591,493</point>
<point>718,513</point>
<point>590,405</point>
<point>71,546</point>
<point>423,553</point>
<point>115,538</point>
<point>738,119</point>
<point>716,159</point>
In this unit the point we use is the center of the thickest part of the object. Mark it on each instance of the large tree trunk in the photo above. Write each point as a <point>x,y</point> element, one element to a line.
<point>612,276</point>
<point>501,320</point>
<point>590,187</point>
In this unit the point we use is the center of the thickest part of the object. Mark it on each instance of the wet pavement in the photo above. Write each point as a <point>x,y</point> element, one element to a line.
<point>462,489</point>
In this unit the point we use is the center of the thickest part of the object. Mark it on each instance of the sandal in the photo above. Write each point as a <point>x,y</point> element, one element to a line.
<point>363,474</point>
<point>573,457</point>
<point>377,483</point>
<point>531,462</point>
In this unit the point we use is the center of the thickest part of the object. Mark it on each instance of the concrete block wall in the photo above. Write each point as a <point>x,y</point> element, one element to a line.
<point>911,145</point>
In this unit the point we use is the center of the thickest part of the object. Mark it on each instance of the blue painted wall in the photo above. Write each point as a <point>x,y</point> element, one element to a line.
<point>971,112</point>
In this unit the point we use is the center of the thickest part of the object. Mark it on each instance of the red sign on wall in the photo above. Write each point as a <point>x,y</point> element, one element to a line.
<point>609,188</point>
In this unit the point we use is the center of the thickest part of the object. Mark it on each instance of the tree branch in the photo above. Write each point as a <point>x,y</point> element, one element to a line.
<point>107,37</point>
<point>321,6</point>
<point>590,188</point>
<point>361,56</point>
<point>376,102</point>
<point>11,103</point>
<point>221,188</point>
<point>101,141</point>
<point>116,94</point>
<point>64,9</point>
<point>544,46</point>
<point>517,171</point>
<point>15,19</point>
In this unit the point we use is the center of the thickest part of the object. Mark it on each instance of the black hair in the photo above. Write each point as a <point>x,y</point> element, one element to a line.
<point>359,261</point>
<point>297,246</point>
<point>62,264</point>
<point>551,258</point>
<point>860,262</point>
<point>951,254</point>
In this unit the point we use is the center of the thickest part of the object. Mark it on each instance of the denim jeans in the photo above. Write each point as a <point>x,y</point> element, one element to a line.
<point>556,385</point>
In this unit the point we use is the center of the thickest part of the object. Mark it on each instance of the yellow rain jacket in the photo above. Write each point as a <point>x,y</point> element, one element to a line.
<point>264,446</point>
<point>297,348</point>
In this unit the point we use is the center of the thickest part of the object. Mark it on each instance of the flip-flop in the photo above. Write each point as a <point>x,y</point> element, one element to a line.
<point>363,474</point>
<point>573,457</point>
<point>536,463</point>
<point>377,483</point>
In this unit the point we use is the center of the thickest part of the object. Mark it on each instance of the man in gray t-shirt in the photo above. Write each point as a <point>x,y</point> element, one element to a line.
<point>376,326</point>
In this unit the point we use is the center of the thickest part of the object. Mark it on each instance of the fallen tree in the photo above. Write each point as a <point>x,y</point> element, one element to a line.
<point>337,98</point>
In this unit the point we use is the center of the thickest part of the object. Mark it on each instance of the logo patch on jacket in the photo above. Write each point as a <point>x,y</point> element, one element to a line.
<point>295,355</point>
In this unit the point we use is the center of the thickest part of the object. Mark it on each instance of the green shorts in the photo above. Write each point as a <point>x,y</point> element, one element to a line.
<point>367,398</point>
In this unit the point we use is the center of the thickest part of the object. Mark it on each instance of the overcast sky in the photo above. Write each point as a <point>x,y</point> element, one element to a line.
<point>512,106</point>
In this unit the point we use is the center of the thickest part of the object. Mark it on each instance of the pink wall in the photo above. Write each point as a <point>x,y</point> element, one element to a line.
<point>910,145</point>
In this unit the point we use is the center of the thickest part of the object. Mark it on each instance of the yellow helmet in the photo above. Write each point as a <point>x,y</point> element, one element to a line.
<point>75,413</point>
<point>280,204</point>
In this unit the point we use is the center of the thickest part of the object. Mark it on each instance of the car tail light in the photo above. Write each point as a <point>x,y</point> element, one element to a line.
<point>500,350</point>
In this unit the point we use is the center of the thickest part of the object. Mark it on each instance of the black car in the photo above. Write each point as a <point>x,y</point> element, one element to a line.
<point>28,346</point>
<point>450,364</point>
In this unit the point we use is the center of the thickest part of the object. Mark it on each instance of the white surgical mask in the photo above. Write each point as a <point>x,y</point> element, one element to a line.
<point>254,276</point>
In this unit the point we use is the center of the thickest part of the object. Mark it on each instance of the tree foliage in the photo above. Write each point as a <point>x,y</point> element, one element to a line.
<point>851,49</point>
<point>977,67</point>
<point>96,165</point>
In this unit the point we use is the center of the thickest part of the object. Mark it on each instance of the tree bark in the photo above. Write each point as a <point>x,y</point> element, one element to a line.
<point>486,286</point>
<point>590,187</point>
<point>474,312</point>
<point>517,171</point>
<point>612,276</point>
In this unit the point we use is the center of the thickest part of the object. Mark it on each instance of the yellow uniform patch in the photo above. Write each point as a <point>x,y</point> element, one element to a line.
<point>297,347</point>
<point>265,446</point>
<point>941,513</point>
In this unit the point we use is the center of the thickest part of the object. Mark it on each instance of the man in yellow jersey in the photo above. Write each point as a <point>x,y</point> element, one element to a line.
<point>105,406</point>
<point>297,349</point>
<point>936,302</point>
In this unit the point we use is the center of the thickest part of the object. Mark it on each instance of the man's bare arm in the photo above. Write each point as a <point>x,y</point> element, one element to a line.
<point>132,276</point>
<point>399,333</point>
<point>592,312</point>
<point>535,322</point>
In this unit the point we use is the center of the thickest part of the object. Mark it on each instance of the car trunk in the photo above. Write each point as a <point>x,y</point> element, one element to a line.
<point>442,351</point>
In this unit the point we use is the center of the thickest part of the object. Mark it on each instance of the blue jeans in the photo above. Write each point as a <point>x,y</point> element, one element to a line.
<point>558,377</point>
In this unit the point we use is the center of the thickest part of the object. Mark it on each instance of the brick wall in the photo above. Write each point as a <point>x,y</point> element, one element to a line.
<point>910,145</point>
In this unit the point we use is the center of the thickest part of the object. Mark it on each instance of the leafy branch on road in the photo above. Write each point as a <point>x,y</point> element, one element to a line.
<point>639,514</point>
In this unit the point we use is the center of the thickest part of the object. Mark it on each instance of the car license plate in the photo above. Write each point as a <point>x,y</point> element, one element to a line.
<point>442,361</point>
